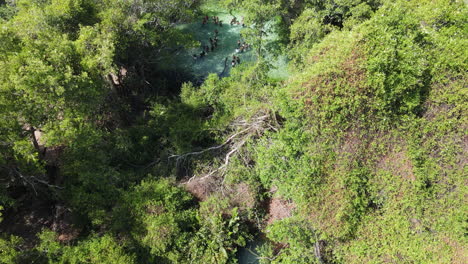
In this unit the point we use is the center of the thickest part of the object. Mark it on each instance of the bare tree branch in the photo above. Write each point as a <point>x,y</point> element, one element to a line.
<point>32,180</point>
<point>234,143</point>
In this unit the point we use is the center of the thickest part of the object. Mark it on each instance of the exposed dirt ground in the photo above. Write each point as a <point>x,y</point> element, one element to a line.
<point>278,209</point>
<point>33,216</point>
<point>239,194</point>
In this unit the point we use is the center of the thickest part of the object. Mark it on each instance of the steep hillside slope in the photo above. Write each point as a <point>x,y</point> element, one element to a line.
<point>376,159</point>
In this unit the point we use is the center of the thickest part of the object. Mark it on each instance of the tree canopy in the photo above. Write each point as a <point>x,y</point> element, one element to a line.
<point>108,155</point>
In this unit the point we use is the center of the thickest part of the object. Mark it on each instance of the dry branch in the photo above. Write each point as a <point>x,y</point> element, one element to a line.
<point>245,130</point>
<point>32,180</point>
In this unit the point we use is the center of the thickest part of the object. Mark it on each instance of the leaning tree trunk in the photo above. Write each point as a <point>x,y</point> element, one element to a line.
<point>36,143</point>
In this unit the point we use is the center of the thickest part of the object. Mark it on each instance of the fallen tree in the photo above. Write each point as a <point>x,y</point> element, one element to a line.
<point>244,129</point>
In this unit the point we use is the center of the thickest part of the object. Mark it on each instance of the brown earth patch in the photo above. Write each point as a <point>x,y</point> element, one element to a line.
<point>463,156</point>
<point>459,251</point>
<point>325,212</point>
<point>68,235</point>
<point>278,209</point>
<point>348,82</point>
<point>351,72</point>
<point>433,111</point>
<point>398,163</point>
<point>354,71</point>
<point>202,187</point>
<point>439,108</point>
<point>241,196</point>
<point>351,146</point>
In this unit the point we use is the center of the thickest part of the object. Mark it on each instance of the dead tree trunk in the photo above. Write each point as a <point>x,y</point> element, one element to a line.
<point>41,153</point>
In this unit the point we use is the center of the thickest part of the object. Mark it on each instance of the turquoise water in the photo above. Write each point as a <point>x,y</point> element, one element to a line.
<point>248,254</point>
<point>219,60</point>
<point>214,61</point>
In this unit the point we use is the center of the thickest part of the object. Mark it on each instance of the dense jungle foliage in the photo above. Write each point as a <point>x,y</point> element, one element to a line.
<point>359,156</point>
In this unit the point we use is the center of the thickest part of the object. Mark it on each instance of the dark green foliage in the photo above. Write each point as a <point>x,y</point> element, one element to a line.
<point>319,18</point>
<point>159,216</point>
<point>300,237</point>
<point>358,197</point>
<point>9,249</point>
<point>7,9</point>
<point>94,250</point>
<point>398,64</point>
<point>220,233</point>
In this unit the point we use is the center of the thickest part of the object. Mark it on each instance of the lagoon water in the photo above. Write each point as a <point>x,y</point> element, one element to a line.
<point>219,61</point>
<point>215,61</point>
<point>248,254</point>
